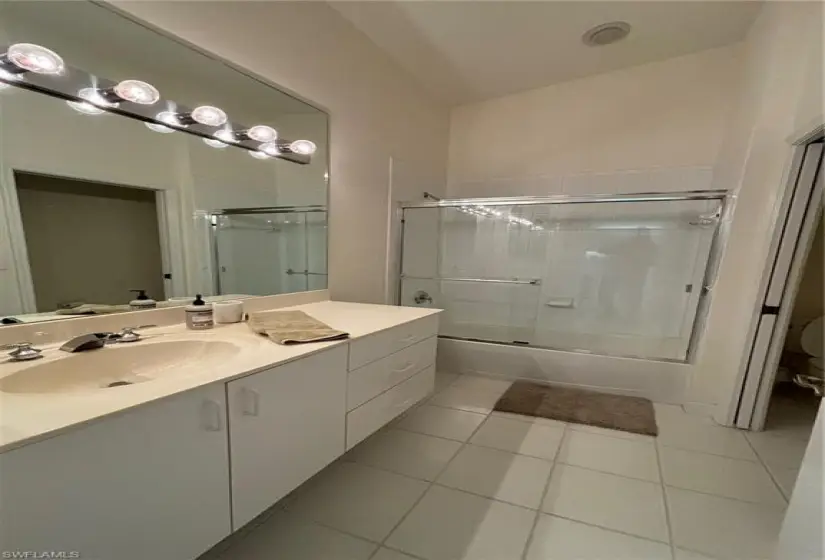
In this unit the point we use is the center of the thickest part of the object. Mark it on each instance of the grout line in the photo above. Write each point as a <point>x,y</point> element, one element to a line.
<point>528,543</point>
<point>430,486</point>
<point>770,474</point>
<point>608,529</point>
<point>665,503</point>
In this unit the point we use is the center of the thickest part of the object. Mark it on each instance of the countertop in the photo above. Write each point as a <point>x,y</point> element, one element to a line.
<point>29,417</point>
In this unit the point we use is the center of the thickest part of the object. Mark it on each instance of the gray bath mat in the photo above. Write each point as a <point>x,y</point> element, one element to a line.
<point>616,412</point>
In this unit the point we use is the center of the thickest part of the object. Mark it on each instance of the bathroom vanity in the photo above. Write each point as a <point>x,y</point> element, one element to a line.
<point>216,427</point>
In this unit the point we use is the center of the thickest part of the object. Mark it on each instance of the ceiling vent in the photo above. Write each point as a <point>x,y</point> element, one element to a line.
<point>606,34</point>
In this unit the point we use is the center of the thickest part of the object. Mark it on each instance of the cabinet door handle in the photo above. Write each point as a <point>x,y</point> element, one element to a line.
<point>211,416</point>
<point>404,368</point>
<point>251,402</point>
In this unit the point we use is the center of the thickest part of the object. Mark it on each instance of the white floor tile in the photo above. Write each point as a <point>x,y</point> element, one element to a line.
<point>614,502</point>
<point>479,383</point>
<point>409,453</point>
<point>387,554</point>
<point>786,478</point>
<point>444,379</point>
<point>470,400</point>
<point>285,536</point>
<point>633,458</point>
<point>442,422</point>
<point>612,433</point>
<point>721,527</point>
<point>498,474</point>
<point>359,500</point>
<point>778,452</point>
<point>698,434</point>
<point>529,419</point>
<point>451,525</point>
<point>536,440</point>
<point>682,554</point>
<point>733,478</point>
<point>561,539</point>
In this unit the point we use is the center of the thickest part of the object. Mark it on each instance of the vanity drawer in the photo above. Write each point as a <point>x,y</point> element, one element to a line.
<point>373,379</point>
<point>373,347</point>
<point>375,414</point>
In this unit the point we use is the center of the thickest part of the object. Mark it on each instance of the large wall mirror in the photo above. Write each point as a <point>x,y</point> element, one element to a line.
<point>104,191</point>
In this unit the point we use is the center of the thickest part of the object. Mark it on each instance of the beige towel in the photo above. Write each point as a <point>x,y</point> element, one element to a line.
<point>292,327</point>
<point>94,309</point>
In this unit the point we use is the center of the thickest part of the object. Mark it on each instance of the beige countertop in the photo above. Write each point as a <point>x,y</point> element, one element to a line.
<point>29,417</point>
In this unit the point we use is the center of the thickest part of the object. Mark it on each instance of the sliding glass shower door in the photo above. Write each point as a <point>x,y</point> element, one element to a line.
<point>616,277</point>
<point>269,251</point>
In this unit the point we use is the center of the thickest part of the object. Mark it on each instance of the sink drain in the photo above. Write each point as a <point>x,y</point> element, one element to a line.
<point>118,384</point>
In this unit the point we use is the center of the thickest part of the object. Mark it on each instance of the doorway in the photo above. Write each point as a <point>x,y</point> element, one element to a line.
<point>89,242</point>
<point>782,385</point>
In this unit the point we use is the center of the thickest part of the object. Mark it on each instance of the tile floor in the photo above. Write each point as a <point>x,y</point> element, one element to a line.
<point>452,480</point>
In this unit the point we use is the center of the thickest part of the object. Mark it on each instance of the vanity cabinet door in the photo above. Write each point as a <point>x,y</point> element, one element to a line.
<point>285,424</point>
<point>152,482</point>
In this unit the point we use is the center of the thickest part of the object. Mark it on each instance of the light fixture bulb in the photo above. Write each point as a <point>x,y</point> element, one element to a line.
<point>28,57</point>
<point>270,148</point>
<point>213,143</point>
<point>259,155</point>
<point>136,91</point>
<point>262,133</point>
<point>226,135</point>
<point>94,97</point>
<point>303,147</point>
<point>208,115</point>
<point>84,107</point>
<point>159,128</point>
<point>170,119</point>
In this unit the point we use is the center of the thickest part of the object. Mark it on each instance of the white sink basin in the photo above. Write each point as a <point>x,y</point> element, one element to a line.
<point>116,366</point>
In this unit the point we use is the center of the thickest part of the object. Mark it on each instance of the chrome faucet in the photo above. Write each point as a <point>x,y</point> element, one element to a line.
<point>93,341</point>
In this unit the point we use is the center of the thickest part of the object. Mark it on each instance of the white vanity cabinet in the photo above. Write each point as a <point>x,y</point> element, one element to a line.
<point>147,483</point>
<point>286,424</point>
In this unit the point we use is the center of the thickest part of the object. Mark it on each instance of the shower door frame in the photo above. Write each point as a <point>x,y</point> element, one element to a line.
<point>717,245</point>
<point>213,235</point>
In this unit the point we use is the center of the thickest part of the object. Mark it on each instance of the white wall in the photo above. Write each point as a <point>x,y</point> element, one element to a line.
<point>376,111</point>
<point>781,97</point>
<point>653,127</point>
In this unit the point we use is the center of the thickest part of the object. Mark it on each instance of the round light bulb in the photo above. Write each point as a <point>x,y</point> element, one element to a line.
<point>303,147</point>
<point>137,92</point>
<point>93,97</point>
<point>35,58</point>
<point>159,128</point>
<point>208,115</point>
<point>84,107</point>
<point>225,135</point>
<point>259,155</point>
<point>213,143</point>
<point>270,148</point>
<point>262,133</point>
<point>170,119</point>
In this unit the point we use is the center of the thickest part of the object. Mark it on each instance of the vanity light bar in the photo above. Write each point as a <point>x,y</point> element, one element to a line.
<point>37,68</point>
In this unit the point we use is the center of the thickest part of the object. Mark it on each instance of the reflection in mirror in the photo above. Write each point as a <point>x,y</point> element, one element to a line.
<point>95,204</point>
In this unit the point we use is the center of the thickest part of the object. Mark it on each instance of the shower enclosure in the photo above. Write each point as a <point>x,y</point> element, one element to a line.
<point>621,276</point>
<point>264,251</point>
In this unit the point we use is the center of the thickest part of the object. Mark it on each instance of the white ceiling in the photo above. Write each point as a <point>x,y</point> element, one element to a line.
<point>468,51</point>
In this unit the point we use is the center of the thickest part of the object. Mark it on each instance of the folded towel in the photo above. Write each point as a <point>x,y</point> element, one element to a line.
<point>94,309</point>
<point>292,327</point>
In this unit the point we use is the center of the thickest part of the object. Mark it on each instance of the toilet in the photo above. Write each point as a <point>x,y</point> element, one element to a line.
<point>812,343</point>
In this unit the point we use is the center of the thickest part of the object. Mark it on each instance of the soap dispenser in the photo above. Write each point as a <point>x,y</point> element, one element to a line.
<point>199,315</point>
<point>142,301</point>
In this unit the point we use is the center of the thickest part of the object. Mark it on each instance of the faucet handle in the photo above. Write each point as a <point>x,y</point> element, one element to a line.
<point>21,351</point>
<point>128,334</point>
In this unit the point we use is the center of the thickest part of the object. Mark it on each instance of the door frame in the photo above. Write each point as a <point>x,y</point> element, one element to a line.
<point>169,230</point>
<point>796,222</point>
